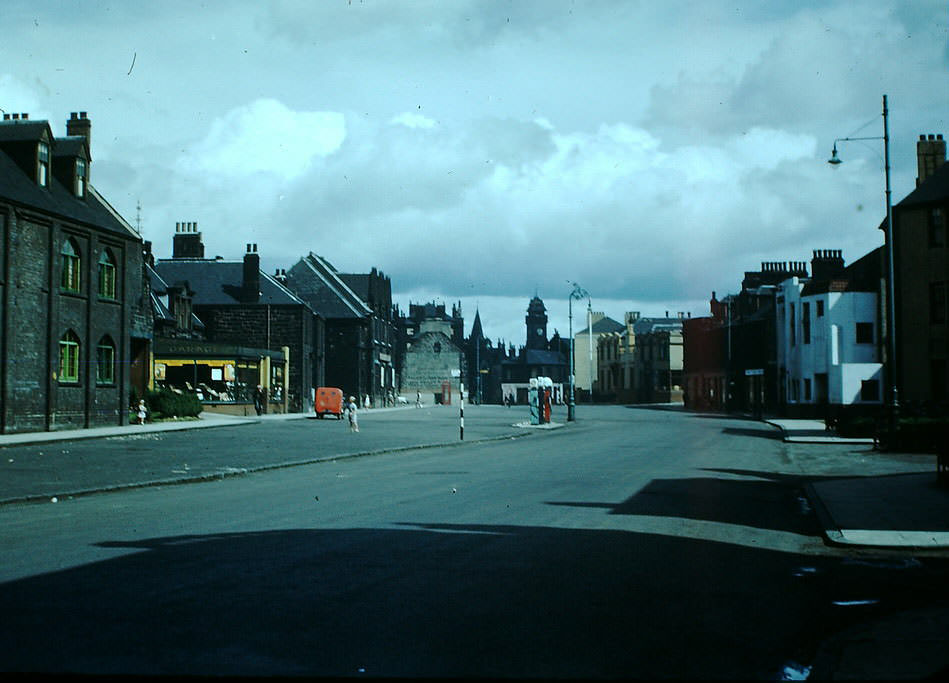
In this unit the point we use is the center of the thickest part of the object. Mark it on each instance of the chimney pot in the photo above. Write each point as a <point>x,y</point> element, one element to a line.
<point>24,116</point>
<point>82,114</point>
<point>932,137</point>
<point>922,137</point>
<point>6,117</point>
<point>939,136</point>
<point>16,117</point>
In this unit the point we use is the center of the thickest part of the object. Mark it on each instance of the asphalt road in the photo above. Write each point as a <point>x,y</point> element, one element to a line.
<point>632,543</point>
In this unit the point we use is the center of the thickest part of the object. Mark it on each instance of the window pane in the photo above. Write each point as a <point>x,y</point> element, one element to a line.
<point>105,364</point>
<point>69,358</point>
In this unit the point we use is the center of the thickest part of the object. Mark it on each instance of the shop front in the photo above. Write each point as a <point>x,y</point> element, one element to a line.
<point>223,377</point>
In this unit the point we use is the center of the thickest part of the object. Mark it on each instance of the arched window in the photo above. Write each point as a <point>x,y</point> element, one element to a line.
<point>71,266</point>
<point>106,274</point>
<point>69,357</point>
<point>105,361</point>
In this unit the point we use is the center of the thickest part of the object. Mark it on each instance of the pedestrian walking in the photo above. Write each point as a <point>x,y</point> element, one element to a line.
<point>365,402</point>
<point>351,413</point>
<point>418,399</point>
<point>259,399</point>
<point>142,412</point>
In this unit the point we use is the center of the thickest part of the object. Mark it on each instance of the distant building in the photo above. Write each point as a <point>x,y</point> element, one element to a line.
<point>585,360</point>
<point>75,325</point>
<point>432,358</point>
<point>703,359</point>
<point>534,359</point>
<point>643,363</point>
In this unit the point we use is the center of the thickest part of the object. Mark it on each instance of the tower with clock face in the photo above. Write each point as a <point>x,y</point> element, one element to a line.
<point>536,320</point>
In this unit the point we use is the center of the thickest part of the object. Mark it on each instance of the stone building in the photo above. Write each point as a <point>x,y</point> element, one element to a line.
<point>643,363</point>
<point>245,308</point>
<point>75,326</point>
<point>433,358</point>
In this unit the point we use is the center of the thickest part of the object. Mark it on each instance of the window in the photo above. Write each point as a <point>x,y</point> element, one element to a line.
<point>80,178</point>
<point>106,275</point>
<point>71,264</point>
<point>69,357</point>
<point>870,390</point>
<point>42,167</point>
<point>864,333</point>
<point>937,228</point>
<point>937,302</point>
<point>105,362</point>
<point>806,323</point>
<point>793,327</point>
<point>820,308</point>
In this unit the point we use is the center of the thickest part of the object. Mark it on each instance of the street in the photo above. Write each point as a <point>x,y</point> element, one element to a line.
<point>635,542</point>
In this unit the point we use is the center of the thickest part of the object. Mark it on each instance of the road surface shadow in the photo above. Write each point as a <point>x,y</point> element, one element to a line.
<point>442,600</point>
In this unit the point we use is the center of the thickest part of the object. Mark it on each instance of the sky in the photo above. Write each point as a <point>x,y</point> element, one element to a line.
<point>487,151</point>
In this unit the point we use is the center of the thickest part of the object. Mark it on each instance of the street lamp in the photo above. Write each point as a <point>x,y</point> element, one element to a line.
<point>577,293</point>
<point>894,404</point>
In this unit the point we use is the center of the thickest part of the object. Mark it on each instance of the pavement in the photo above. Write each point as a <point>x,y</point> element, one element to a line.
<point>906,511</point>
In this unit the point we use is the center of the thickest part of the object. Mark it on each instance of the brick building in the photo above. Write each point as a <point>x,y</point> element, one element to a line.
<point>921,265</point>
<point>703,359</point>
<point>74,323</point>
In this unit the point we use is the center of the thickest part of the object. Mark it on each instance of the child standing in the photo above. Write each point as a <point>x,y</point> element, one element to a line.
<point>142,411</point>
<point>351,411</point>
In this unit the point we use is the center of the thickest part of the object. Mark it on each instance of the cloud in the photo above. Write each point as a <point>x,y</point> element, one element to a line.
<point>265,136</point>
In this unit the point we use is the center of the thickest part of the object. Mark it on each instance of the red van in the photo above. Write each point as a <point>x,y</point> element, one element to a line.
<point>329,400</point>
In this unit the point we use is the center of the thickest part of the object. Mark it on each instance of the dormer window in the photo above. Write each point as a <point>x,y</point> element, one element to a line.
<point>81,178</point>
<point>42,169</point>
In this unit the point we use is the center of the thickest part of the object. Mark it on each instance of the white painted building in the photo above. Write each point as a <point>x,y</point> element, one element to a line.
<point>828,343</point>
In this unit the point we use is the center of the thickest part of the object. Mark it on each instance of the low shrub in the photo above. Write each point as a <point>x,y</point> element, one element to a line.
<point>163,403</point>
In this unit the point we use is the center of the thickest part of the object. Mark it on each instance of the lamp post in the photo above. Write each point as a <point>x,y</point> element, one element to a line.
<point>893,405</point>
<point>577,293</point>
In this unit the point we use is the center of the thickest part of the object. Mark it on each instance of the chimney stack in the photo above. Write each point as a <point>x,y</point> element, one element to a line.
<point>930,155</point>
<point>827,264</point>
<point>187,241</point>
<point>250,288</point>
<point>79,124</point>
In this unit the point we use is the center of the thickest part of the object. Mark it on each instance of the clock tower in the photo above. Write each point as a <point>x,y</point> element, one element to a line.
<point>536,320</point>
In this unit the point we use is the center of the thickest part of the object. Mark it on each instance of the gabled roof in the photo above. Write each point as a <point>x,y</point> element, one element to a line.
<point>604,325</point>
<point>934,189</point>
<point>71,146</point>
<point>19,188</point>
<point>316,281</point>
<point>24,130</point>
<point>218,283</point>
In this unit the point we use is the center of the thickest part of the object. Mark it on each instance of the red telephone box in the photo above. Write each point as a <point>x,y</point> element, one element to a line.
<point>446,393</point>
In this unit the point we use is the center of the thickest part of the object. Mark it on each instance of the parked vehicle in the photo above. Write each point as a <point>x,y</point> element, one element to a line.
<point>329,400</point>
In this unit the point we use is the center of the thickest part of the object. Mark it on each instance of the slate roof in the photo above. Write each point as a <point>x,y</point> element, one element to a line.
<point>24,130</point>
<point>603,326</point>
<point>649,325</point>
<point>219,283</point>
<point>318,283</point>
<point>934,189</point>
<point>20,188</point>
